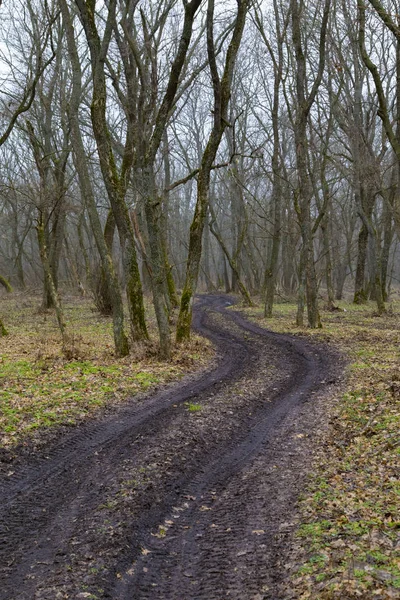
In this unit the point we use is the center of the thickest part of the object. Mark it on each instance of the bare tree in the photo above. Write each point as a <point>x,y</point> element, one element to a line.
<point>115,180</point>
<point>305,100</point>
<point>40,32</point>
<point>222,92</point>
<point>80,161</point>
<point>278,66</point>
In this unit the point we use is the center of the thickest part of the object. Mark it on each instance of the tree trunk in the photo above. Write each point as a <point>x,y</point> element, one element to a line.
<point>6,284</point>
<point>50,282</point>
<point>101,287</point>
<point>80,160</point>
<point>360,292</point>
<point>19,244</point>
<point>3,330</point>
<point>376,261</point>
<point>305,101</point>
<point>115,183</point>
<point>153,209</point>
<point>172,295</point>
<point>387,243</point>
<point>207,268</point>
<point>222,92</point>
<point>341,275</point>
<point>227,284</point>
<point>301,293</point>
<point>82,246</point>
<point>272,269</point>
<point>328,262</point>
<point>231,261</point>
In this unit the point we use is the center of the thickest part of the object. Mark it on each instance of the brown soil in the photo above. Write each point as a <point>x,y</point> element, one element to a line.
<point>186,494</point>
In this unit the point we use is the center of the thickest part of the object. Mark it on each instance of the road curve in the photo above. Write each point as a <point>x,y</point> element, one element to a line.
<point>186,494</point>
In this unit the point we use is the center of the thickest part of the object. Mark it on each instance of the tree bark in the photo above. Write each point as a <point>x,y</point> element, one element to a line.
<point>305,101</point>
<point>6,284</point>
<point>231,260</point>
<point>80,160</point>
<point>278,62</point>
<point>387,243</point>
<point>153,208</point>
<point>115,183</point>
<point>222,91</point>
<point>360,292</point>
<point>50,282</point>
<point>3,330</point>
<point>172,295</point>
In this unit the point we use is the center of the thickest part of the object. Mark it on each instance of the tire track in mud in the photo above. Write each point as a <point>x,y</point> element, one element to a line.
<point>213,484</point>
<point>222,541</point>
<point>80,445</point>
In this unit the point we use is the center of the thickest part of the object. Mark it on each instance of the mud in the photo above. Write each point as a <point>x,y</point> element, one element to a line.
<point>186,494</point>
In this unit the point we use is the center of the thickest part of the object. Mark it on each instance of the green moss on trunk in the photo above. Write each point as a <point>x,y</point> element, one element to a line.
<point>6,284</point>
<point>185,316</point>
<point>3,330</point>
<point>360,297</point>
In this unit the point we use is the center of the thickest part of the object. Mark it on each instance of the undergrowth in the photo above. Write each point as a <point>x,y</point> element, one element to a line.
<point>42,386</point>
<point>349,539</point>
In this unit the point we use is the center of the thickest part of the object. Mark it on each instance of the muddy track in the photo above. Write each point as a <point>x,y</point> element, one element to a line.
<point>160,501</point>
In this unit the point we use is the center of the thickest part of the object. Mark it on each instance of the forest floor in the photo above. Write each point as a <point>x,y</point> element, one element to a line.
<point>45,390</point>
<point>348,541</point>
<point>189,491</point>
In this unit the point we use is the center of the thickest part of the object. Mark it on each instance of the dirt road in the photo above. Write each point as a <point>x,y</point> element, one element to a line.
<point>186,494</point>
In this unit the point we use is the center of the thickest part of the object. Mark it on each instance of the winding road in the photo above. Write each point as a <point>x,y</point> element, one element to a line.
<point>188,493</point>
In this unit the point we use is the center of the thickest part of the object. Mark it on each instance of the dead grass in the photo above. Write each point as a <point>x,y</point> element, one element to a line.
<point>42,386</point>
<point>349,540</point>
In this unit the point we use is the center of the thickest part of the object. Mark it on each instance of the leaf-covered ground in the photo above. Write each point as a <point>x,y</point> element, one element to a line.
<point>40,387</point>
<point>348,545</point>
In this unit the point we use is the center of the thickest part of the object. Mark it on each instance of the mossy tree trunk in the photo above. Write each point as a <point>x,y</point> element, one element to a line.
<point>52,195</point>
<point>222,92</point>
<point>325,207</point>
<point>115,182</point>
<point>80,160</point>
<point>18,243</point>
<point>148,138</point>
<point>101,285</point>
<point>173,298</point>
<point>153,209</point>
<point>51,222</point>
<point>3,330</point>
<point>6,284</point>
<point>364,192</point>
<point>80,234</point>
<point>307,290</point>
<point>376,259</point>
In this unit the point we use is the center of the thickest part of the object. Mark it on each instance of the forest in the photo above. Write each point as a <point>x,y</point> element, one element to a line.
<point>161,155</point>
<point>163,148</point>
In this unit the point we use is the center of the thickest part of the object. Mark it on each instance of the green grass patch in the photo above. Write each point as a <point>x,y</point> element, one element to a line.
<point>40,388</point>
<point>193,407</point>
